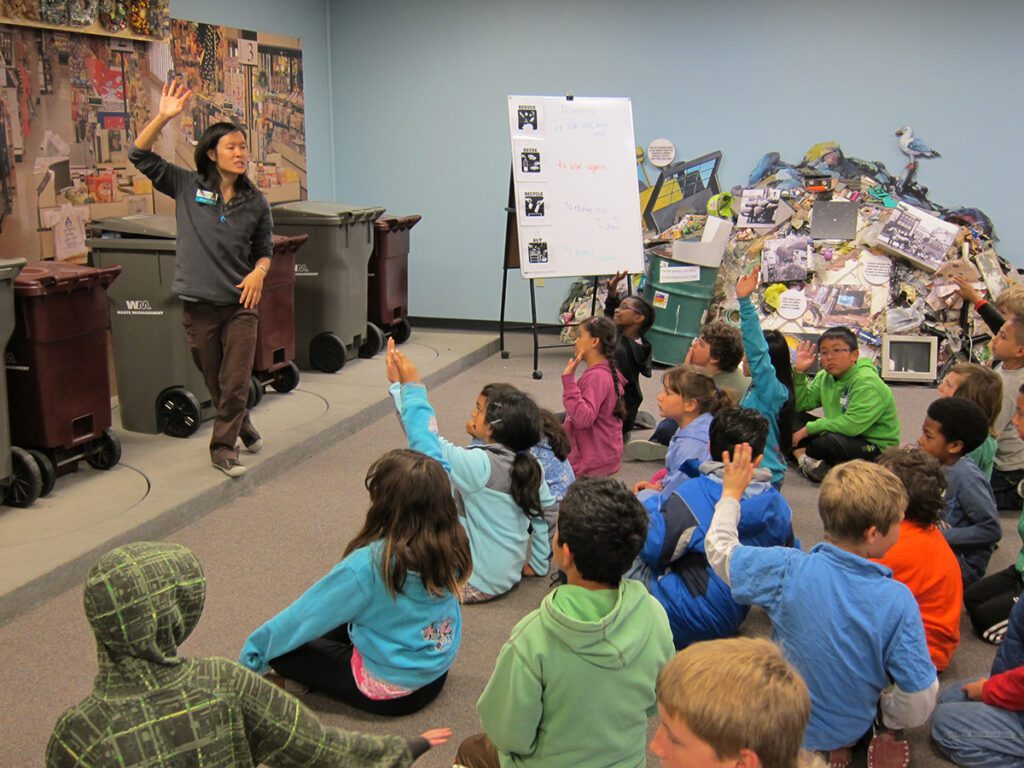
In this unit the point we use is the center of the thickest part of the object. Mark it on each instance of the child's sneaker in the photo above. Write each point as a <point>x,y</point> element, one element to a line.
<point>813,469</point>
<point>252,443</point>
<point>644,450</point>
<point>230,467</point>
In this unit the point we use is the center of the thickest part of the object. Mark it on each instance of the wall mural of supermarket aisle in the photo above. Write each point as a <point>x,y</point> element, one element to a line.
<point>70,104</point>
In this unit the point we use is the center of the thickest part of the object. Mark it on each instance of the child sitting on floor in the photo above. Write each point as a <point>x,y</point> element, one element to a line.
<point>989,600</point>
<point>381,630</point>
<point>731,702</point>
<point>1008,464</point>
<point>594,408</point>
<point>980,723</point>
<point>921,558</point>
<point>983,387</point>
<point>633,317</point>
<point>771,391</point>
<point>673,563</point>
<point>574,684</point>
<point>853,632</point>
<point>690,398</point>
<point>150,706</point>
<point>953,428</point>
<point>860,412</point>
<point>500,483</point>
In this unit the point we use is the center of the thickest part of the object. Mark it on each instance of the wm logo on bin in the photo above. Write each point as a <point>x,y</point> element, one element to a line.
<point>137,304</point>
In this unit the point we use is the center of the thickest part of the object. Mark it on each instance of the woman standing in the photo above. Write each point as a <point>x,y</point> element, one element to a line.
<point>223,255</point>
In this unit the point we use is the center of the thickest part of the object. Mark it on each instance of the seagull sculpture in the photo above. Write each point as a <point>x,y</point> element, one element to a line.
<point>914,148</point>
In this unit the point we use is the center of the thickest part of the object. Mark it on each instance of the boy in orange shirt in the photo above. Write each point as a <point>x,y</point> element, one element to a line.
<point>921,558</point>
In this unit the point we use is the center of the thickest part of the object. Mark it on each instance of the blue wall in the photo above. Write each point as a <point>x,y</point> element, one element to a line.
<point>419,103</point>
<point>412,94</point>
<point>305,19</point>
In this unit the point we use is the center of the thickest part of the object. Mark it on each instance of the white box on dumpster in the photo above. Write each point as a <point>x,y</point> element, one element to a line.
<point>709,250</point>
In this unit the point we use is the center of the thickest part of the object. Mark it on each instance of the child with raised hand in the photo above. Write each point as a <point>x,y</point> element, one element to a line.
<point>594,408</point>
<point>922,558</point>
<point>380,631</point>
<point>690,398</point>
<point>152,706</point>
<point>854,633</point>
<point>952,429</point>
<point>983,387</point>
<point>771,390</point>
<point>1008,464</point>
<point>500,484</point>
<point>633,317</point>
<point>990,600</point>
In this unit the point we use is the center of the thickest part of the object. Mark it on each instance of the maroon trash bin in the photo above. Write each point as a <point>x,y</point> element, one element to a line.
<point>275,335</point>
<point>58,381</point>
<point>388,300</point>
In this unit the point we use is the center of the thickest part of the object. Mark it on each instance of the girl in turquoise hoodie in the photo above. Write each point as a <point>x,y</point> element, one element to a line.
<point>381,630</point>
<point>771,380</point>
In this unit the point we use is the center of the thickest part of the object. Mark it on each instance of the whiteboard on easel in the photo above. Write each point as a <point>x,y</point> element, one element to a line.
<point>574,173</point>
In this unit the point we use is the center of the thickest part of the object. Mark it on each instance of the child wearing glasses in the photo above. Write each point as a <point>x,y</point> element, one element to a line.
<point>860,418</point>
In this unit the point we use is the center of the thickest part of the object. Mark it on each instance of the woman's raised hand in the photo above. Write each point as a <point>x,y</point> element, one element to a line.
<point>174,98</point>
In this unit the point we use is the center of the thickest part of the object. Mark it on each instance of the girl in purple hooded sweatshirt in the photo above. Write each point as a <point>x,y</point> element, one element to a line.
<point>594,408</point>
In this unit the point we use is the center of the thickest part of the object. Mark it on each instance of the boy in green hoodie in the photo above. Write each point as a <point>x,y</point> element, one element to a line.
<point>860,413</point>
<point>599,633</point>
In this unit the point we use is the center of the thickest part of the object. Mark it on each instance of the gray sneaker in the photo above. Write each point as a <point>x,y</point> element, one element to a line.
<point>230,467</point>
<point>252,443</point>
<point>813,469</point>
<point>644,450</point>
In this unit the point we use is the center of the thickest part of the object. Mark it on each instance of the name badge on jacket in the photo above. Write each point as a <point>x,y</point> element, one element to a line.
<point>206,198</point>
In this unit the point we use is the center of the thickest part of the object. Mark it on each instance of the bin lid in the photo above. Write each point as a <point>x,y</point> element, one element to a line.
<point>9,268</point>
<point>44,277</point>
<point>323,213</point>
<point>139,225</point>
<point>391,223</point>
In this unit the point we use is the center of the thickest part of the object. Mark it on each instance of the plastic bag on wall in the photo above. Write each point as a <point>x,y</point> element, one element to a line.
<point>21,9</point>
<point>81,13</point>
<point>54,11</point>
<point>113,15</point>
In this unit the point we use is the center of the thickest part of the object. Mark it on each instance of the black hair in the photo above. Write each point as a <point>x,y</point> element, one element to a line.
<point>643,308</point>
<point>840,333</point>
<point>922,476</point>
<point>960,419</point>
<point>778,353</point>
<point>211,137</point>
<point>725,344</point>
<point>607,335</point>
<point>554,433</point>
<point>732,426</point>
<point>514,419</point>
<point>604,526</point>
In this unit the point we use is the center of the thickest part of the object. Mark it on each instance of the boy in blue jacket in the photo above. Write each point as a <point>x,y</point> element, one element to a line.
<point>672,562</point>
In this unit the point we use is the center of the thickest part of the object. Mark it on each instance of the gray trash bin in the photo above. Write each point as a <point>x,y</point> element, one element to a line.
<point>330,281</point>
<point>159,387</point>
<point>20,476</point>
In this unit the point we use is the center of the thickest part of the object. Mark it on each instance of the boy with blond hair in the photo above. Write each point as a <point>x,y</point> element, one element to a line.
<point>1008,465</point>
<point>731,700</point>
<point>853,632</point>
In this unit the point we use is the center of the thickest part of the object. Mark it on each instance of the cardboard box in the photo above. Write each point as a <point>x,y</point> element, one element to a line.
<point>709,251</point>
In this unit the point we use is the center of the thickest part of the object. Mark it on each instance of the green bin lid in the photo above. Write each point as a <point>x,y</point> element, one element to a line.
<point>140,225</point>
<point>9,268</point>
<point>323,213</point>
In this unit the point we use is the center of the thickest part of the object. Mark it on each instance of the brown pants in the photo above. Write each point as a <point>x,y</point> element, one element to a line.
<point>223,344</point>
<point>477,752</point>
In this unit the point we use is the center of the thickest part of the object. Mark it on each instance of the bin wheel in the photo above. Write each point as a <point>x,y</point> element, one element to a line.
<point>47,471</point>
<point>106,451</point>
<point>401,331</point>
<point>374,342</point>
<point>327,353</point>
<point>255,393</point>
<point>26,479</point>
<point>286,379</point>
<point>178,412</point>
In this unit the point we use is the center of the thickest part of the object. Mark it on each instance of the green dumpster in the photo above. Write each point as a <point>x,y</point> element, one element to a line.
<point>681,295</point>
